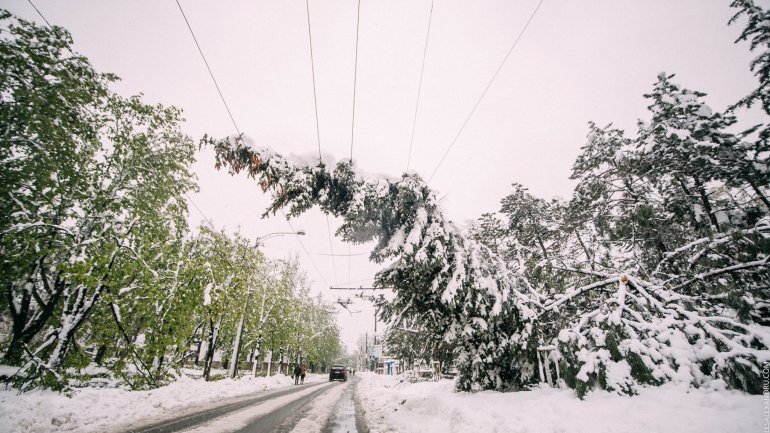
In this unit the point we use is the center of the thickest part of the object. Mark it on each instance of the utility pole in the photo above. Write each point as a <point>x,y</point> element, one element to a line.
<point>369,298</point>
<point>376,310</point>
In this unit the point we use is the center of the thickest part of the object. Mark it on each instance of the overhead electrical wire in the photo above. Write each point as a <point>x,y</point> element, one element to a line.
<point>353,117</point>
<point>51,26</point>
<point>211,73</point>
<point>315,253</point>
<point>195,205</point>
<point>235,125</point>
<point>312,68</point>
<point>355,82</point>
<point>318,130</point>
<point>331,249</point>
<point>492,80</point>
<point>39,13</point>
<point>302,244</point>
<point>205,218</point>
<point>419,88</point>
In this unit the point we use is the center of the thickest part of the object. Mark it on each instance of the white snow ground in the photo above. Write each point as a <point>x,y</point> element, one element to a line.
<point>394,406</point>
<point>101,409</point>
<point>433,407</point>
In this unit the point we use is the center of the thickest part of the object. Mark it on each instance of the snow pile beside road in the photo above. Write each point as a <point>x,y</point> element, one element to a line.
<point>98,409</point>
<point>433,407</point>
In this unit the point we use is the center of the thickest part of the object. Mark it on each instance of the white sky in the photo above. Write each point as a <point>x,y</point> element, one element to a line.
<point>578,61</point>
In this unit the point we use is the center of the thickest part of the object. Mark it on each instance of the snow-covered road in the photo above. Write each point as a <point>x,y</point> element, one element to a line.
<point>188,405</point>
<point>264,412</point>
<point>300,409</point>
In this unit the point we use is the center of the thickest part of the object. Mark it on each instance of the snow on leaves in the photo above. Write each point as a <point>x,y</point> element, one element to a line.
<point>438,274</point>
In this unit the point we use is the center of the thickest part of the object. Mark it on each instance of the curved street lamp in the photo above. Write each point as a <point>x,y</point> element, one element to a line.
<point>259,239</point>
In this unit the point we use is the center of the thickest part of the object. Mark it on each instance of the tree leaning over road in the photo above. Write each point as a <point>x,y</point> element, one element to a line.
<point>657,269</point>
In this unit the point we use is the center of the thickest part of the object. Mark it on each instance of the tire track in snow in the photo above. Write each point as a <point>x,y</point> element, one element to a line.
<point>203,416</point>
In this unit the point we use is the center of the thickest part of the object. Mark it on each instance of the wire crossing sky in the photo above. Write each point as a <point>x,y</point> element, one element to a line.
<point>224,102</point>
<point>419,87</point>
<point>486,89</point>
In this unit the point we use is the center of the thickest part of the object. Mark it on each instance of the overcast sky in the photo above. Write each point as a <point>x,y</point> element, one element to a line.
<point>577,61</point>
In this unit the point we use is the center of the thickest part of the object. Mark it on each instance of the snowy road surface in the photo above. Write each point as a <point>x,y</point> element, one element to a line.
<point>347,416</point>
<point>325,406</point>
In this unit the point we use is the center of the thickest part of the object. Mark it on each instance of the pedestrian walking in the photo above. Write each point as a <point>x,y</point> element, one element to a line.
<point>302,376</point>
<point>297,372</point>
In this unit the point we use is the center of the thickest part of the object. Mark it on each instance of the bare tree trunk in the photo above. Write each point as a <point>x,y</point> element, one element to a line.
<point>213,334</point>
<point>707,204</point>
<point>236,347</point>
<point>761,196</point>
<point>26,321</point>
<point>74,315</point>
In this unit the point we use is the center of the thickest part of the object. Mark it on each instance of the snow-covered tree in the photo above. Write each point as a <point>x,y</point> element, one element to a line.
<point>751,163</point>
<point>142,332</point>
<point>661,270</point>
<point>87,176</point>
<point>438,274</point>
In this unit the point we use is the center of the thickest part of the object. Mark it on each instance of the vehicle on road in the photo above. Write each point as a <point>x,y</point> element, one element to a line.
<point>338,372</point>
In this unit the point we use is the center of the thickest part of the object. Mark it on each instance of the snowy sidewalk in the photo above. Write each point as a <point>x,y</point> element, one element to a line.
<point>101,409</point>
<point>433,407</point>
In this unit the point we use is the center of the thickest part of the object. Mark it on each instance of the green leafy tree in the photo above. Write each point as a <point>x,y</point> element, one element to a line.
<point>87,176</point>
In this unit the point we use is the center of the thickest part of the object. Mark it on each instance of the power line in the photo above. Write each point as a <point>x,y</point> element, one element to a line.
<point>312,68</point>
<point>505,59</point>
<point>317,128</point>
<point>315,253</point>
<point>419,88</point>
<point>359,281</point>
<point>302,244</point>
<point>51,26</point>
<point>39,13</point>
<point>331,249</point>
<point>342,255</point>
<point>195,205</point>
<point>353,117</point>
<point>209,68</point>
<point>239,133</point>
<point>205,218</point>
<point>361,288</point>
<point>355,80</point>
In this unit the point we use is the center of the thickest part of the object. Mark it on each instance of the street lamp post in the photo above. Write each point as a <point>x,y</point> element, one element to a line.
<point>233,370</point>
<point>260,239</point>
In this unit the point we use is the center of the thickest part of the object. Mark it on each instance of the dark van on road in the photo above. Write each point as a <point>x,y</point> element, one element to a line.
<point>338,372</point>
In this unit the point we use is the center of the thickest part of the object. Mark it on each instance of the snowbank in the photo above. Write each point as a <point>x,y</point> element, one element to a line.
<point>433,407</point>
<point>100,409</point>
